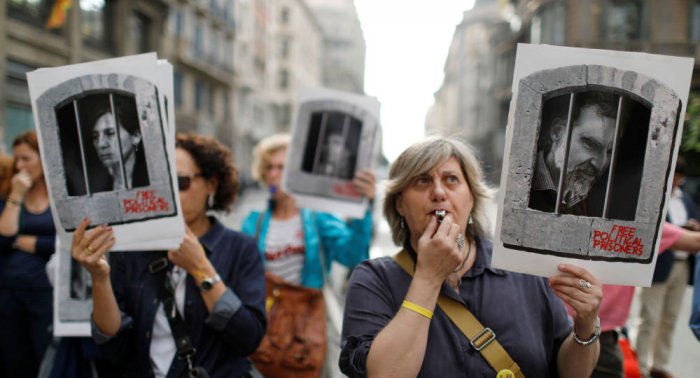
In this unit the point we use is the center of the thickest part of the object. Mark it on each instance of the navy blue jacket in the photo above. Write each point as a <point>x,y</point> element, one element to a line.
<point>223,339</point>
<point>22,270</point>
<point>665,261</point>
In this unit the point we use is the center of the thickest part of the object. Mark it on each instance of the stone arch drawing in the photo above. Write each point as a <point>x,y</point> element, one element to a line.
<point>579,236</point>
<point>118,206</point>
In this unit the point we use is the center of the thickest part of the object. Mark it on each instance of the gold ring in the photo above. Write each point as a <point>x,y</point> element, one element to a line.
<point>89,250</point>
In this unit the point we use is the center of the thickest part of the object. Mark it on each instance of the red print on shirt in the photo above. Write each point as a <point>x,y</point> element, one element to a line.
<point>287,251</point>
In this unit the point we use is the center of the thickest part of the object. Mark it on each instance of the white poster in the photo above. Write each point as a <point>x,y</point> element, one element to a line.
<point>335,134</point>
<point>590,149</point>
<point>122,176</point>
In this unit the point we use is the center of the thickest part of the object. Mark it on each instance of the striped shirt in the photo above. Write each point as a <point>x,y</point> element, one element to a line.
<point>285,250</point>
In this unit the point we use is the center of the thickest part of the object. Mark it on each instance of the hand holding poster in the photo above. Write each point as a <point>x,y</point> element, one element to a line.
<point>591,143</point>
<point>335,135</point>
<point>108,149</point>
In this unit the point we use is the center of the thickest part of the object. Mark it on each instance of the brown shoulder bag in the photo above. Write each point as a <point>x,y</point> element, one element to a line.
<point>294,345</point>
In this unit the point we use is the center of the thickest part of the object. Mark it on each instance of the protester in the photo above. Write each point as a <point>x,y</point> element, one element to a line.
<point>27,240</point>
<point>392,326</point>
<point>661,303</point>
<point>215,280</point>
<point>291,239</point>
<point>617,300</point>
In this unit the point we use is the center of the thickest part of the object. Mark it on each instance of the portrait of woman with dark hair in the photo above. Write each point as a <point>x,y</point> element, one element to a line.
<point>112,157</point>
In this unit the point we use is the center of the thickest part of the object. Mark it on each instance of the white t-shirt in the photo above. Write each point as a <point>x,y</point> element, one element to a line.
<point>163,348</point>
<point>285,250</point>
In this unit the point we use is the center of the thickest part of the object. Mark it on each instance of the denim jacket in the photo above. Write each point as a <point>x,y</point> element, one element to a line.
<point>348,245</point>
<point>222,338</point>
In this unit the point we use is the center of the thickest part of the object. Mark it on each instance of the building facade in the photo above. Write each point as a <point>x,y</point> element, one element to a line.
<point>344,47</point>
<point>199,43</point>
<point>668,27</point>
<point>89,33</point>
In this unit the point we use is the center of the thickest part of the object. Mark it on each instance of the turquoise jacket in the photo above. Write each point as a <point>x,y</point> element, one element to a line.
<point>348,245</point>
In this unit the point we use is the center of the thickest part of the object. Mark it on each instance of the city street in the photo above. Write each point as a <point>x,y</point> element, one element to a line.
<point>685,358</point>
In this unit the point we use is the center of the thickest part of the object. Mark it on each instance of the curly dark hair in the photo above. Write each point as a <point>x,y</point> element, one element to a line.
<point>215,160</point>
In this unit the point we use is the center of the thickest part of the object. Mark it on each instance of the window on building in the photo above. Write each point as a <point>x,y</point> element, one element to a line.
<point>548,25</point>
<point>284,114</point>
<point>283,79</point>
<point>34,12</point>
<point>695,22</point>
<point>214,49</point>
<point>19,119</point>
<point>227,107</point>
<point>621,21</point>
<point>210,101</point>
<point>96,24</point>
<point>198,94</point>
<point>140,32</point>
<point>284,47</point>
<point>284,15</point>
<point>179,23</point>
<point>177,87</point>
<point>198,40</point>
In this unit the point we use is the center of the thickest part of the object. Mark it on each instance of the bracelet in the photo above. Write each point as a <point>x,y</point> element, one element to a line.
<point>595,337</point>
<point>198,272</point>
<point>415,308</point>
<point>14,202</point>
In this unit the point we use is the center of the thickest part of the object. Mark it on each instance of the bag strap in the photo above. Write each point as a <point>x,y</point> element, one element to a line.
<point>185,350</point>
<point>481,338</point>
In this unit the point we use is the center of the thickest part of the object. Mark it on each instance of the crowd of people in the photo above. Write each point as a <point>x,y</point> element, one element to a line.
<point>435,309</point>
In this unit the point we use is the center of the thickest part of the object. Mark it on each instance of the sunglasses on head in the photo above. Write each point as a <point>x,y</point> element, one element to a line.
<point>184,181</point>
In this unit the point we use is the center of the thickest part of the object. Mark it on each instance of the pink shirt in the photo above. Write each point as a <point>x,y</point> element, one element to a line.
<point>616,302</point>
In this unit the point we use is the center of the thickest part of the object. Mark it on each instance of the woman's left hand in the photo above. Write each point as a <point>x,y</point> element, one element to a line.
<point>190,256</point>
<point>365,183</point>
<point>585,301</point>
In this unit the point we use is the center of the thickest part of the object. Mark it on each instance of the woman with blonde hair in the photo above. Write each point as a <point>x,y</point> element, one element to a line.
<point>434,204</point>
<point>298,245</point>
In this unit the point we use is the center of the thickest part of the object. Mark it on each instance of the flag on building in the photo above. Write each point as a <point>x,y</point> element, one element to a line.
<point>58,14</point>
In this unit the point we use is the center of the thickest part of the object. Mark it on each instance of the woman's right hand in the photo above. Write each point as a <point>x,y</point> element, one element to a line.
<point>89,248</point>
<point>21,183</point>
<point>438,252</point>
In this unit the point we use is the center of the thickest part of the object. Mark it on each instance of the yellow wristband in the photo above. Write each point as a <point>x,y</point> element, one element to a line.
<point>415,308</point>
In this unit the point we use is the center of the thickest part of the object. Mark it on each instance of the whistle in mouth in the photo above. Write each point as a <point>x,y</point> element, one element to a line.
<point>440,215</point>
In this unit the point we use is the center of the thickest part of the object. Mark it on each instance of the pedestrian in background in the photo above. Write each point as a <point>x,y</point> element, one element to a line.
<point>661,303</point>
<point>27,241</point>
<point>291,240</point>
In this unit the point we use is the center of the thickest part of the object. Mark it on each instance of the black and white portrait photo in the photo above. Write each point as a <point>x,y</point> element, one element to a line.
<point>335,134</point>
<point>590,125</point>
<point>108,148</point>
<point>332,144</point>
<point>590,147</point>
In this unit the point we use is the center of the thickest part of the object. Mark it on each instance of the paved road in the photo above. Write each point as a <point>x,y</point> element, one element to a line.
<point>685,358</point>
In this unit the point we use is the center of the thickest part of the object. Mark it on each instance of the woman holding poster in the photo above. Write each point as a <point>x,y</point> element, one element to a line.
<point>298,245</point>
<point>27,241</point>
<point>197,308</point>
<point>490,321</point>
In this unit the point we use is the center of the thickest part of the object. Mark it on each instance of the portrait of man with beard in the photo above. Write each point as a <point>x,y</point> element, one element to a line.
<point>593,121</point>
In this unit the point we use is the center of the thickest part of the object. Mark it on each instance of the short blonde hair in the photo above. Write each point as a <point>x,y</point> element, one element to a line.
<point>262,152</point>
<point>419,159</point>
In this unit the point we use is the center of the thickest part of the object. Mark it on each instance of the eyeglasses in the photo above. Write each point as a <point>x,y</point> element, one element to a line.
<point>184,181</point>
